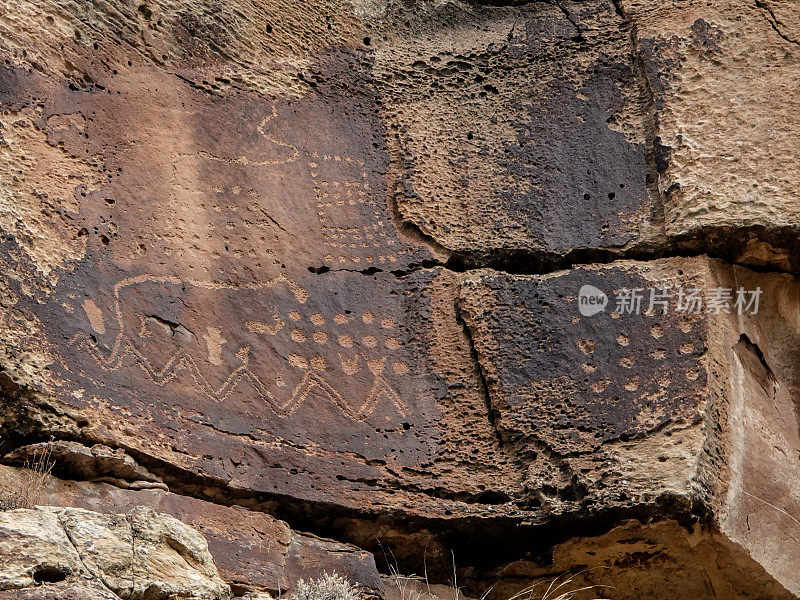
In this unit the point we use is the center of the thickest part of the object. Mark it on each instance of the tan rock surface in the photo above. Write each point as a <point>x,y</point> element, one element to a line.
<point>322,261</point>
<point>139,555</point>
<point>725,82</point>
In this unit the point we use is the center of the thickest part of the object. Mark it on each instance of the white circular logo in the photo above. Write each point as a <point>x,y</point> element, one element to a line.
<point>591,300</point>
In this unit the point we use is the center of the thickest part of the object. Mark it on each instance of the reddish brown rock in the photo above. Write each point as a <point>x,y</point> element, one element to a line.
<point>596,401</point>
<point>631,431</point>
<point>252,550</point>
<point>577,382</point>
<point>232,262</point>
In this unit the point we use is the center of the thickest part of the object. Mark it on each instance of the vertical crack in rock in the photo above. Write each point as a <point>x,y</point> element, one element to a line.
<point>98,576</point>
<point>752,358</point>
<point>491,413</point>
<point>653,147</point>
<point>571,19</point>
<point>134,551</point>
<point>619,10</point>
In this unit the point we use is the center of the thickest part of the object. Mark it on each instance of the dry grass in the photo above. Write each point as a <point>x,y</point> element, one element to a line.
<point>327,587</point>
<point>563,591</point>
<point>29,493</point>
<point>412,587</point>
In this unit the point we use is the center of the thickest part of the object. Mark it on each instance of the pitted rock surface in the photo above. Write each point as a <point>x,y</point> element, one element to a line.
<point>577,382</point>
<point>322,262</point>
<point>496,159</point>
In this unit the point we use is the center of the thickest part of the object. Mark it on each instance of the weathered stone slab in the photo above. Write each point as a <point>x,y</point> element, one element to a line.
<point>137,555</point>
<point>751,466</point>
<point>601,400</point>
<point>315,392</point>
<point>724,79</point>
<point>252,550</point>
<point>187,313</point>
<point>517,128</point>
<point>698,408</point>
<point>577,382</point>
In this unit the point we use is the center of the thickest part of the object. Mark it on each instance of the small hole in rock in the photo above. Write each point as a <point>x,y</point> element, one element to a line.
<point>50,574</point>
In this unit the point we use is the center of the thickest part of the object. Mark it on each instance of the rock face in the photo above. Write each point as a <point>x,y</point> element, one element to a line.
<point>323,263</point>
<point>73,553</point>
<point>253,551</point>
<point>495,159</point>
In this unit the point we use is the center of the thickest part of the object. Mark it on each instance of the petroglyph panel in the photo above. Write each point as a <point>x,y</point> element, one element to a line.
<point>180,182</point>
<point>355,225</point>
<point>269,359</point>
<point>218,221</point>
<point>200,319</point>
<point>576,382</point>
<point>167,326</point>
<point>302,382</point>
<point>225,318</point>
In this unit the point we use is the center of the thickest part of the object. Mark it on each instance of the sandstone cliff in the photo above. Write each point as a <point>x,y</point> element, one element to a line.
<point>306,276</point>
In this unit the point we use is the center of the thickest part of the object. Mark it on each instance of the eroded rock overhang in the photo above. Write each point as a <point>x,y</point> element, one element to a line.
<point>323,262</point>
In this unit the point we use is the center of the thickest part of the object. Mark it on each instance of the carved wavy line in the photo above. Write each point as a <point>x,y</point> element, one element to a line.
<point>180,359</point>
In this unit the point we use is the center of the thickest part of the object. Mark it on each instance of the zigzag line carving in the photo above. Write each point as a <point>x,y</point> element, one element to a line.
<point>180,360</point>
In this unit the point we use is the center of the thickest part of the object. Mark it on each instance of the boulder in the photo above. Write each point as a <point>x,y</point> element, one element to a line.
<point>252,550</point>
<point>71,551</point>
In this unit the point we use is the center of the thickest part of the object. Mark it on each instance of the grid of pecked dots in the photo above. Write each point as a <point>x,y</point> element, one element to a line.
<point>665,376</point>
<point>372,350</point>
